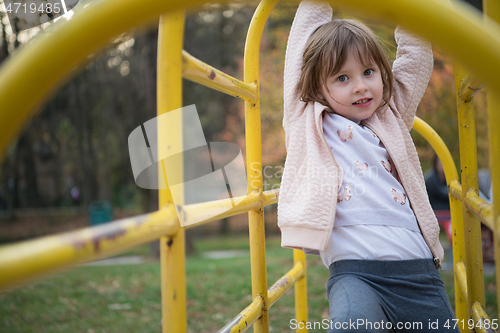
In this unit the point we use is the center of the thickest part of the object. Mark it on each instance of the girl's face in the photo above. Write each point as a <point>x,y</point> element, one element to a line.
<point>355,92</point>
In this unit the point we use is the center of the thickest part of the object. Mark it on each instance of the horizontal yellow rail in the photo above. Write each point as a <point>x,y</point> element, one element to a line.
<point>455,189</point>
<point>24,261</point>
<point>481,321</point>
<point>246,318</point>
<point>203,212</point>
<point>480,207</point>
<point>197,71</point>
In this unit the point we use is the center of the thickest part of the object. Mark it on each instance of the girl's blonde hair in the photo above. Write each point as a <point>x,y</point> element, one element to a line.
<point>327,50</point>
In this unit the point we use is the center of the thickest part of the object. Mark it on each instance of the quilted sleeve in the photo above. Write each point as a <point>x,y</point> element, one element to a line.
<point>412,70</point>
<point>309,16</point>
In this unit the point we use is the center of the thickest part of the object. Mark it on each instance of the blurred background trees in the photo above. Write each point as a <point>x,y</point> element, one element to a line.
<point>77,141</point>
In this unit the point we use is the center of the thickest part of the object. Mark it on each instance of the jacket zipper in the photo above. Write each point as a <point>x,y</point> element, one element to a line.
<point>436,260</point>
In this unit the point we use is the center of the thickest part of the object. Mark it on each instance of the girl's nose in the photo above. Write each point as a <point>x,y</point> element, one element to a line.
<point>360,86</point>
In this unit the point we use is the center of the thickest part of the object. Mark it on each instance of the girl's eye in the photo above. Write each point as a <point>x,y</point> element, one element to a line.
<point>342,78</point>
<point>368,72</point>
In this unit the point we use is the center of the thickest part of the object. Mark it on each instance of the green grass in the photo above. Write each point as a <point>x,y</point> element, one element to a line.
<point>126,298</point>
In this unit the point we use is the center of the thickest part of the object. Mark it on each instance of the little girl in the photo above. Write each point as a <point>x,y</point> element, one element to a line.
<point>352,188</point>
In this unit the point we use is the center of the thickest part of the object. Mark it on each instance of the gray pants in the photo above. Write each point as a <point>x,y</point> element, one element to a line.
<point>388,296</point>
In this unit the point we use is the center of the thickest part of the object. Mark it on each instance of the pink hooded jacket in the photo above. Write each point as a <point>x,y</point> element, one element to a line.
<point>312,177</point>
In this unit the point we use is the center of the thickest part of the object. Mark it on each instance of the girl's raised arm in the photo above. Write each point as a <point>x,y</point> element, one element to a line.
<point>412,70</point>
<point>309,16</point>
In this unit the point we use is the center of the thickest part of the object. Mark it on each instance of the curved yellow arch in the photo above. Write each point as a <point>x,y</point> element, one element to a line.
<point>42,65</point>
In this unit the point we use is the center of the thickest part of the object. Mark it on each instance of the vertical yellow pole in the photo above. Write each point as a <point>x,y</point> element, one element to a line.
<point>450,171</point>
<point>491,8</point>
<point>253,138</point>
<point>301,292</point>
<point>468,165</point>
<point>456,209</point>
<point>457,220</point>
<point>169,91</point>
<point>493,123</point>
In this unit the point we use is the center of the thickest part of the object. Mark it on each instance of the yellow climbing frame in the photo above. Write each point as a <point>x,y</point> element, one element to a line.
<point>39,68</point>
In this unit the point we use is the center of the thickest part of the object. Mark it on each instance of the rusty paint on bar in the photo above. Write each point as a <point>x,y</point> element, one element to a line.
<point>470,86</point>
<point>94,243</point>
<point>25,261</point>
<point>197,71</point>
<point>286,282</point>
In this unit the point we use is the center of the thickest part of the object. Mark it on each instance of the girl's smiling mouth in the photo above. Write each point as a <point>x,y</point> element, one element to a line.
<point>363,102</point>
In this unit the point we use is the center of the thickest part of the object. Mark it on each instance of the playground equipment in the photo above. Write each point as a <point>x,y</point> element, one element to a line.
<point>44,64</point>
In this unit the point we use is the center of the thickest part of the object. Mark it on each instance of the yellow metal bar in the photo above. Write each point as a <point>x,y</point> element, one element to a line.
<point>299,257</point>
<point>455,189</point>
<point>246,318</point>
<point>172,248</point>
<point>197,71</point>
<point>461,307</point>
<point>450,170</point>
<point>461,278</point>
<point>477,205</point>
<point>199,212</point>
<point>254,161</point>
<point>494,135</point>
<point>25,261</point>
<point>492,9</point>
<point>439,147</point>
<point>468,164</point>
<point>286,282</point>
<point>481,208</point>
<point>481,320</point>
